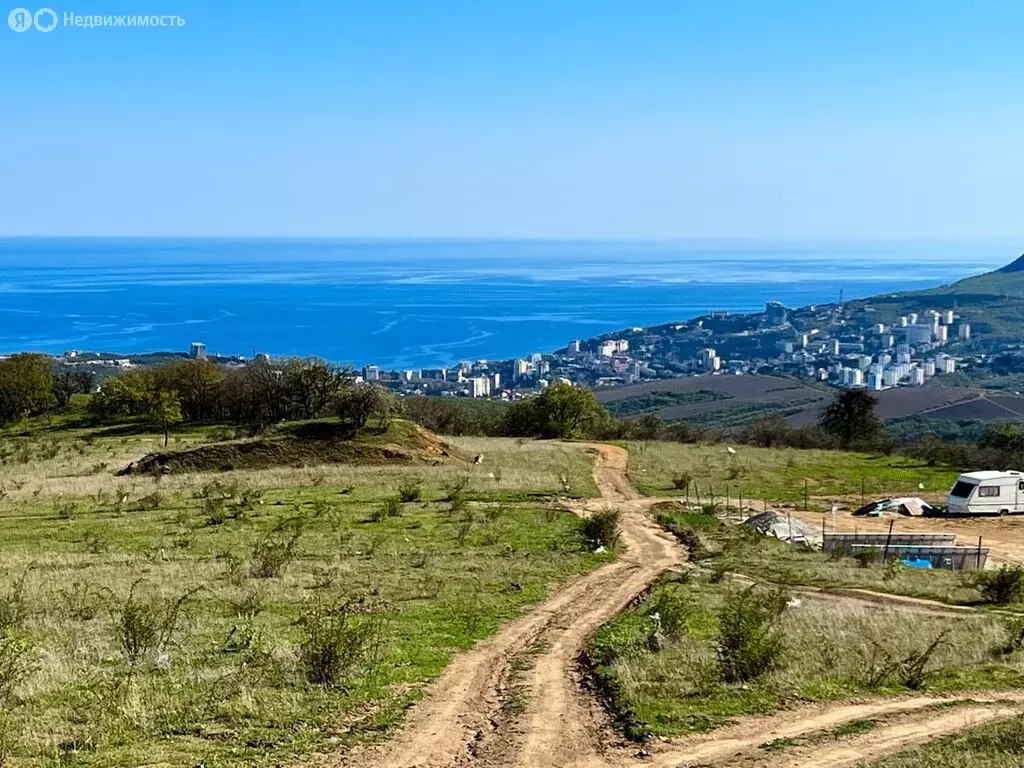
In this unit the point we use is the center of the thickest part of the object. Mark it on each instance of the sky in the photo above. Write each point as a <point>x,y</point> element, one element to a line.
<point>651,119</point>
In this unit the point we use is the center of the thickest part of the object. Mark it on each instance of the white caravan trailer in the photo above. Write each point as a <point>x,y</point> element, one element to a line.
<point>987,493</point>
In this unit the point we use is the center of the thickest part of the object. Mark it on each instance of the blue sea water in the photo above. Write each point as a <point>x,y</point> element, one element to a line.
<point>420,304</point>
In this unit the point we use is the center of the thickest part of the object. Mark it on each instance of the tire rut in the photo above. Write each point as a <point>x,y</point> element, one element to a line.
<point>462,720</point>
<point>469,718</point>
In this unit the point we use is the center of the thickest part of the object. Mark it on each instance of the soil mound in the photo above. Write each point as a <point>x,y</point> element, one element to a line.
<point>401,443</point>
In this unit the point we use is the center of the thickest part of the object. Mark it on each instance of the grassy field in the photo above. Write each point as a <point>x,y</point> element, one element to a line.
<point>778,475</point>
<point>997,745</point>
<point>661,665</point>
<point>253,617</point>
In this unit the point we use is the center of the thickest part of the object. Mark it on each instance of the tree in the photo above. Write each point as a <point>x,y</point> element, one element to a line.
<point>562,411</point>
<point>198,384</point>
<point>128,395</point>
<point>851,418</point>
<point>165,411</point>
<point>26,386</point>
<point>767,431</point>
<point>68,382</point>
<point>312,385</point>
<point>358,404</point>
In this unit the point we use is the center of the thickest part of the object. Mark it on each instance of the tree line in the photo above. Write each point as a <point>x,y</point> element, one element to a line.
<point>257,395</point>
<point>267,392</point>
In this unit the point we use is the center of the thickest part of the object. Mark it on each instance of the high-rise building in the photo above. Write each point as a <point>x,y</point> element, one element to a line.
<point>371,373</point>
<point>197,350</point>
<point>774,313</point>
<point>480,386</point>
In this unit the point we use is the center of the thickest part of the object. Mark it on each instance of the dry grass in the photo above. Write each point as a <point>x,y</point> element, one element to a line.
<point>834,647</point>
<point>230,686</point>
<point>778,475</point>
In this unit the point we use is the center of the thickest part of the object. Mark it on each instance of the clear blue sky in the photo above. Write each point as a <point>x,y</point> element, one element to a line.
<point>637,118</point>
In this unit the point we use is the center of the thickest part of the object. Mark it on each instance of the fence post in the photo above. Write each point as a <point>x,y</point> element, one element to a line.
<point>888,537</point>
<point>977,564</point>
<point>696,492</point>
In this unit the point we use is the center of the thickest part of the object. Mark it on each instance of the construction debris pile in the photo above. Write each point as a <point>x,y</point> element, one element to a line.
<point>908,506</point>
<point>785,528</point>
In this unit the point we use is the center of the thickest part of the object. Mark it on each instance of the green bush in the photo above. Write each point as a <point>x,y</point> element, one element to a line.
<point>750,643</point>
<point>271,556</point>
<point>409,491</point>
<point>668,609</point>
<point>601,529</point>
<point>336,639</point>
<point>1002,586</point>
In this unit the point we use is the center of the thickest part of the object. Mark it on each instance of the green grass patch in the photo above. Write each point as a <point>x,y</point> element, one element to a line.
<point>255,617</point>
<point>779,475</point>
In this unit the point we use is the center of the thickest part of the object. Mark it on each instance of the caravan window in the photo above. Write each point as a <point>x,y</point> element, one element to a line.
<point>961,490</point>
<point>988,490</point>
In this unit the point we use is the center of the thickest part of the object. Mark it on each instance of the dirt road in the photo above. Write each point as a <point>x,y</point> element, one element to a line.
<point>468,716</point>
<point>517,699</point>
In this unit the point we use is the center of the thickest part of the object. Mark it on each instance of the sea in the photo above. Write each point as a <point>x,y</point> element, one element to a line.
<point>426,303</point>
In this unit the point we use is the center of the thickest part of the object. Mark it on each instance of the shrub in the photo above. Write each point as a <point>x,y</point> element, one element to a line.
<point>410,490</point>
<point>455,491</point>
<point>867,557</point>
<point>336,639</point>
<point>749,641</point>
<point>270,556</point>
<point>681,480</point>
<point>881,667</point>
<point>392,506</point>
<point>667,608</point>
<point>144,627</point>
<point>83,602</point>
<point>601,529</point>
<point>15,666</point>
<point>1002,586</point>
<point>13,606</point>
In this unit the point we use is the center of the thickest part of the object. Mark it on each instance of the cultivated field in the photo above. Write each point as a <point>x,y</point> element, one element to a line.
<point>729,401</point>
<point>716,400</point>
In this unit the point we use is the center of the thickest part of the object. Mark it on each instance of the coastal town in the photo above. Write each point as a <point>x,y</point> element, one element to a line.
<point>852,345</point>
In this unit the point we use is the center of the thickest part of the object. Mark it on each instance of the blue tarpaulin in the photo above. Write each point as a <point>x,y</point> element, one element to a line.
<point>918,562</point>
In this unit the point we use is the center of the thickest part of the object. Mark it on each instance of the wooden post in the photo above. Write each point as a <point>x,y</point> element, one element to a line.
<point>789,517</point>
<point>823,531</point>
<point>977,563</point>
<point>696,492</point>
<point>888,538</point>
